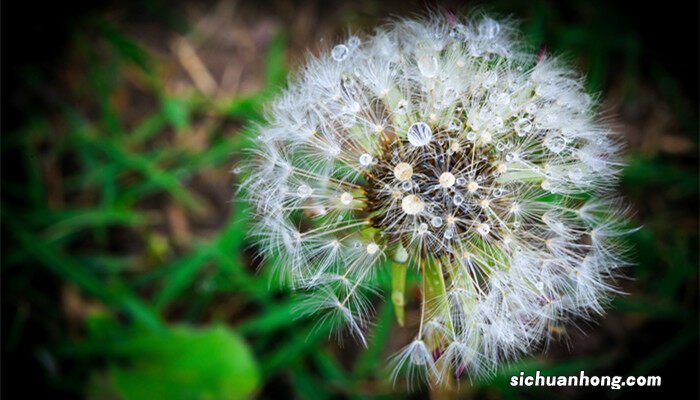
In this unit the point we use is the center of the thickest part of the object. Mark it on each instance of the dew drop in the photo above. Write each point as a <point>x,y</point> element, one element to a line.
<point>490,79</point>
<point>458,32</point>
<point>556,143</point>
<point>483,229</point>
<point>304,191</point>
<point>436,222</point>
<point>497,122</point>
<point>458,199</point>
<point>372,248</point>
<point>427,65</point>
<point>401,255</point>
<point>471,135</point>
<point>407,185</point>
<point>365,159</point>
<point>576,174</point>
<point>320,210</point>
<point>455,125</point>
<point>340,52</point>
<point>475,50</point>
<point>422,228</point>
<point>417,357</point>
<point>354,41</point>
<point>449,234</point>
<point>348,120</point>
<point>488,28</point>
<point>420,134</point>
<point>349,87</point>
<point>346,198</point>
<point>401,106</point>
<point>523,126</point>
<point>451,94</point>
<point>461,181</point>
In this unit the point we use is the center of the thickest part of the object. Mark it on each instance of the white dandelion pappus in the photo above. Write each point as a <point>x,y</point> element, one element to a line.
<point>444,147</point>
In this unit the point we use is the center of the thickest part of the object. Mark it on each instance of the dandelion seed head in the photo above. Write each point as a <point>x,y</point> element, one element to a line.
<point>446,146</point>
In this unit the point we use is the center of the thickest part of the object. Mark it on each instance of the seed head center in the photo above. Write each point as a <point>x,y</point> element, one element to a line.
<point>403,171</point>
<point>412,204</point>
<point>447,180</point>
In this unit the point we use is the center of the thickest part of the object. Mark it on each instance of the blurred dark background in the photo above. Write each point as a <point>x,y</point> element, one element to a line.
<point>125,271</point>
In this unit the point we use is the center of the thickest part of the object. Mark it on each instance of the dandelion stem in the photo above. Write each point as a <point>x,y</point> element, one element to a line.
<point>422,304</point>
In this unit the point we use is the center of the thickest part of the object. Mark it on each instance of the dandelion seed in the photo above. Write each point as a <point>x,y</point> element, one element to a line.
<point>403,171</point>
<point>412,204</point>
<point>447,180</point>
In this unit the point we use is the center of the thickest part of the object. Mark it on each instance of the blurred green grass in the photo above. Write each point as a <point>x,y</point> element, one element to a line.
<point>90,209</point>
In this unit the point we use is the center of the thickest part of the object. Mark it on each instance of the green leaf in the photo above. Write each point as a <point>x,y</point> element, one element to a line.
<point>185,363</point>
<point>276,316</point>
<point>176,112</point>
<point>275,70</point>
<point>182,273</point>
<point>246,107</point>
<point>369,360</point>
<point>79,219</point>
<point>125,46</point>
<point>68,268</point>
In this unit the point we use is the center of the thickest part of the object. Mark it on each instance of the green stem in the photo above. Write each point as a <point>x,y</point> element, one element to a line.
<point>398,290</point>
